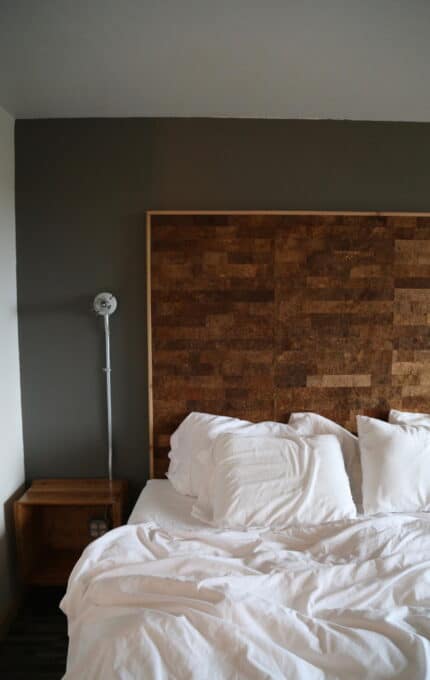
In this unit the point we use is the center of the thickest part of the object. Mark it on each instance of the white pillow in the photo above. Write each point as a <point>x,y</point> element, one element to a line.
<point>191,446</point>
<point>406,418</point>
<point>396,466</point>
<point>309,424</point>
<point>276,482</point>
<point>205,465</point>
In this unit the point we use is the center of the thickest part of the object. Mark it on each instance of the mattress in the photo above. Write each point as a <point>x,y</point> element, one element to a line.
<point>160,504</point>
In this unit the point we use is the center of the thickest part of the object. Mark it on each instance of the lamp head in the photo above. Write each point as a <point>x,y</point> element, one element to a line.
<point>105,304</point>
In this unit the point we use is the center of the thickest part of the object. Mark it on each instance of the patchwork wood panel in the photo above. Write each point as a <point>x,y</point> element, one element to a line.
<point>258,315</point>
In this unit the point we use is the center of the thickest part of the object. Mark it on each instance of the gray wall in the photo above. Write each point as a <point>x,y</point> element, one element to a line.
<point>82,189</point>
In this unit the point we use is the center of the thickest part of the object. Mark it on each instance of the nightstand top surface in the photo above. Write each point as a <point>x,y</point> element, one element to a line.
<point>73,492</point>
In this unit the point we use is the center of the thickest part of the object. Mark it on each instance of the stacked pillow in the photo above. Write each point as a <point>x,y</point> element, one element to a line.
<point>192,442</point>
<point>277,482</point>
<point>219,459</point>
<point>310,471</point>
<point>308,424</point>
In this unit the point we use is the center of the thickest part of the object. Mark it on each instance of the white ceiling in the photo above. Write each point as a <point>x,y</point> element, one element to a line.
<point>355,59</point>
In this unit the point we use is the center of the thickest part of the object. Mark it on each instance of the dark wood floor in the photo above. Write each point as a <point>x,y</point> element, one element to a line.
<point>36,645</point>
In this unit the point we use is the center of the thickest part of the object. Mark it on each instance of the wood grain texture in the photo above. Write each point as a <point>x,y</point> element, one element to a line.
<point>51,524</point>
<point>255,315</point>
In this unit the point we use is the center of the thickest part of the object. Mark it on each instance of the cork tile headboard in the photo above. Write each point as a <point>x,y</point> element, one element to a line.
<point>255,315</point>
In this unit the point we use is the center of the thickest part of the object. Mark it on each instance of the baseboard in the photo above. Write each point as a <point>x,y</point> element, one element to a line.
<point>7,618</point>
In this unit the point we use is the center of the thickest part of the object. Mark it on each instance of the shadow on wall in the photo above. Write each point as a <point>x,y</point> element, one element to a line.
<point>9,580</point>
<point>67,437</point>
<point>80,305</point>
<point>130,359</point>
<point>68,433</point>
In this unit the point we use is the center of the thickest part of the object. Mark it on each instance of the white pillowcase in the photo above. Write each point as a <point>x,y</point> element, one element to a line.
<point>204,464</point>
<point>191,444</point>
<point>309,424</point>
<point>396,466</point>
<point>277,482</point>
<point>407,418</point>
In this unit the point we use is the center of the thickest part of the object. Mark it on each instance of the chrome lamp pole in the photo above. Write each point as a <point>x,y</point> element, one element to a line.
<point>104,305</point>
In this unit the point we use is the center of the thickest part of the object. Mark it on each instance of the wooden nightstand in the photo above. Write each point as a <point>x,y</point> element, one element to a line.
<point>52,524</point>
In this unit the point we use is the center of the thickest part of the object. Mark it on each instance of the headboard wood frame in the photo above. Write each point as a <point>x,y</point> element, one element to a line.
<point>385,307</point>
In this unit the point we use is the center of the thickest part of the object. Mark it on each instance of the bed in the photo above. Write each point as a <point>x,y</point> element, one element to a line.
<point>256,316</point>
<point>168,597</point>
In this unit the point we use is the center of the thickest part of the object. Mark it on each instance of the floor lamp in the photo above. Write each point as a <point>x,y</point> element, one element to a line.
<point>104,305</point>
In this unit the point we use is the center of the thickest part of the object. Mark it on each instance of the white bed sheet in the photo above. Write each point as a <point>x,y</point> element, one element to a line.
<point>161,504</point>
<point>347,601</point>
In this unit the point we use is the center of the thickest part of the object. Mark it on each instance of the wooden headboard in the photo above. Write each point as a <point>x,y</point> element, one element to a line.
<point>257,314</point>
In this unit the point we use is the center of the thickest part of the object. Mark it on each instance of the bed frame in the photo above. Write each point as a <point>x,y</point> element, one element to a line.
<point>256,314</point>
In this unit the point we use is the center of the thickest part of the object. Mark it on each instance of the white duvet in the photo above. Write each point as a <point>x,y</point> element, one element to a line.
<point>345,600</point>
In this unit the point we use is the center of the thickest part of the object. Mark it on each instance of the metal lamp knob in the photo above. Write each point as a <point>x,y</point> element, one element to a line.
<point>105,304</point>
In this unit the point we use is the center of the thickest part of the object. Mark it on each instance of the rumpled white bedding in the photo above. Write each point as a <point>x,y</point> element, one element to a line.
<point>345,600</point>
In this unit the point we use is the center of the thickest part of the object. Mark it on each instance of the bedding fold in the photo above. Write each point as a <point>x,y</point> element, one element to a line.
<point>349,599</point>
